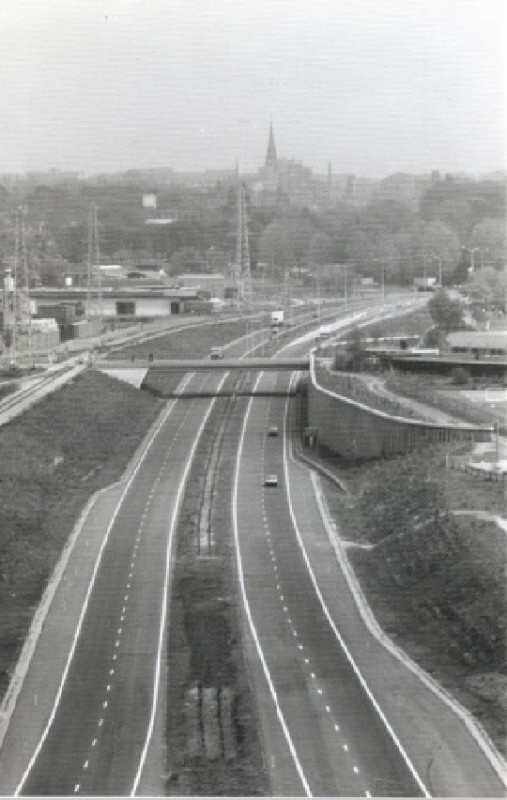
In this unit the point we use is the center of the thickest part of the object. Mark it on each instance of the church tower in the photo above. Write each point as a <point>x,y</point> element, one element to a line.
<point>269,173</point>
<point>271,162</point>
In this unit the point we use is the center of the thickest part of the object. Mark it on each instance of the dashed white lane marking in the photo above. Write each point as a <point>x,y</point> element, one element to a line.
<point>337,727</point>
<point>300,647</point>
<point>108,687</point>
<point>117,643</point>
<point>328,709</point>
<point>114,656</point>
<point>104,704</point>
<point>94,743</point>
<point>307,660</point>
<point>319,691</point>
<point>356,769</point>
<point>85,765</point>
<point>346,747</point>
<point>287,451</point>
<point>246,604</point>
<point>163,612</point>
<point>101,722</point>
<point>312,675</point>
<point>76,788</point>
<point>126,597</point>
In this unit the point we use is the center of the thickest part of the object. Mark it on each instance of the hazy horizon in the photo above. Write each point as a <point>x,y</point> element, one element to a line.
<point>372,86</point>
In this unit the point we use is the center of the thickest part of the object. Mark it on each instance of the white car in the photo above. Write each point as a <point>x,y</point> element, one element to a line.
<point>273,430</point>
<point>271,480</point>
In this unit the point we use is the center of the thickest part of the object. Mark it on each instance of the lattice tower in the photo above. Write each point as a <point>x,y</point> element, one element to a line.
<point>242,266</point>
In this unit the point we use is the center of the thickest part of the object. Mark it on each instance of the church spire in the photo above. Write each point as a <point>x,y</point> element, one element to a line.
<point>271,153</point>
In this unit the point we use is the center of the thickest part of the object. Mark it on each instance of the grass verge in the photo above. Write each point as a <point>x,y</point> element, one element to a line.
<point>52,459</point>
<point>194,342</point>
<point>434,581</point>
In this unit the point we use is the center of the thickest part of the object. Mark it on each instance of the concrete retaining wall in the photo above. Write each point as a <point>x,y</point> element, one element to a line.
<point>353,430</point>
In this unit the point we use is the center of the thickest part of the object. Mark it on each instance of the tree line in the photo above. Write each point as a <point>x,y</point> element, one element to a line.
<point>457,225</point>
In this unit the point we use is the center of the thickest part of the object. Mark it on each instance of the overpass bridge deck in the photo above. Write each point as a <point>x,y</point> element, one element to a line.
<point>207,364</point>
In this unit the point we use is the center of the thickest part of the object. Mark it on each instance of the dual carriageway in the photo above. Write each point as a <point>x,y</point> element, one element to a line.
<point>340,715</point>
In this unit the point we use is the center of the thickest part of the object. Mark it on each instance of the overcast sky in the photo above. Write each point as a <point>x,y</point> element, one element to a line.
<point>373,86</point>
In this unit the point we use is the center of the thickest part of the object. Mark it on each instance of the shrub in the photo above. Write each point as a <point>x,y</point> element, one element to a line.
<point>460,376</point>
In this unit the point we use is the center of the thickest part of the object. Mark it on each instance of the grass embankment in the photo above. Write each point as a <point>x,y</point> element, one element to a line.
<point>356,389</point>
<point>7,388</point>
<point>213,745</point>
<point>194,342</point>
<point>435,581</point>
<point>440,392</point>
<point>52,459</point>
<point>415,322</point>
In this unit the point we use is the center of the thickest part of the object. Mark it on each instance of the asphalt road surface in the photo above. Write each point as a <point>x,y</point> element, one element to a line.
<point>324,721</point>
<point>99,734</point>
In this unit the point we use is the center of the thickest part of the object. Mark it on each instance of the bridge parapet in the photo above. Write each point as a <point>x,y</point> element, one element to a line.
<point>354,430</point>
<point>207,364</point>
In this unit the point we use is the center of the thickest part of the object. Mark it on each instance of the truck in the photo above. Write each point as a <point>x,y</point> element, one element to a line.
<point>277,317</point>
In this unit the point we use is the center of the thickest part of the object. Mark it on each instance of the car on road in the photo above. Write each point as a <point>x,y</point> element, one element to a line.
<point>273,430</point>
<point>216,352</point>
<point>271,480</point>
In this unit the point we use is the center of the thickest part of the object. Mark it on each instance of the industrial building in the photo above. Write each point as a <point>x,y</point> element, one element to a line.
<point>116,303</point>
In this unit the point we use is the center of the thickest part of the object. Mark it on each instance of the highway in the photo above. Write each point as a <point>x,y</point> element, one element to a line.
<point>340,715</point>
<point>101,718</point>
<point>339,744</point>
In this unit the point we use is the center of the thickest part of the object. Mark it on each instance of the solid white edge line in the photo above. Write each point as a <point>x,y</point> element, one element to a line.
<point>331,622</point>
<point>87,597</point>
<point>473,727</point>
<point>163,614</point>
<point>246,604</point>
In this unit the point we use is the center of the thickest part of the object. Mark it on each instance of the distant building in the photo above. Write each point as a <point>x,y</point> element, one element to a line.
<point>132,302</point>
<point>425,284</point>
<point>479,344</point>
<point>205,284</point>
<point>287,181</point>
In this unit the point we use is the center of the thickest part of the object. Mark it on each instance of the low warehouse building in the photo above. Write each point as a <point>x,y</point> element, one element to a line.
<point>477,344</point>
<point>113,303</point>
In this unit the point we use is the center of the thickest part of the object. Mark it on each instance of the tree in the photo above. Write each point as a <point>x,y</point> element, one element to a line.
<point>355,349</point>
<point>187,259</point>
<point>489,238</point>
<point>487,284</point>
<point>446,313</point>
<point>423,241</point>
<point>320,249</point>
